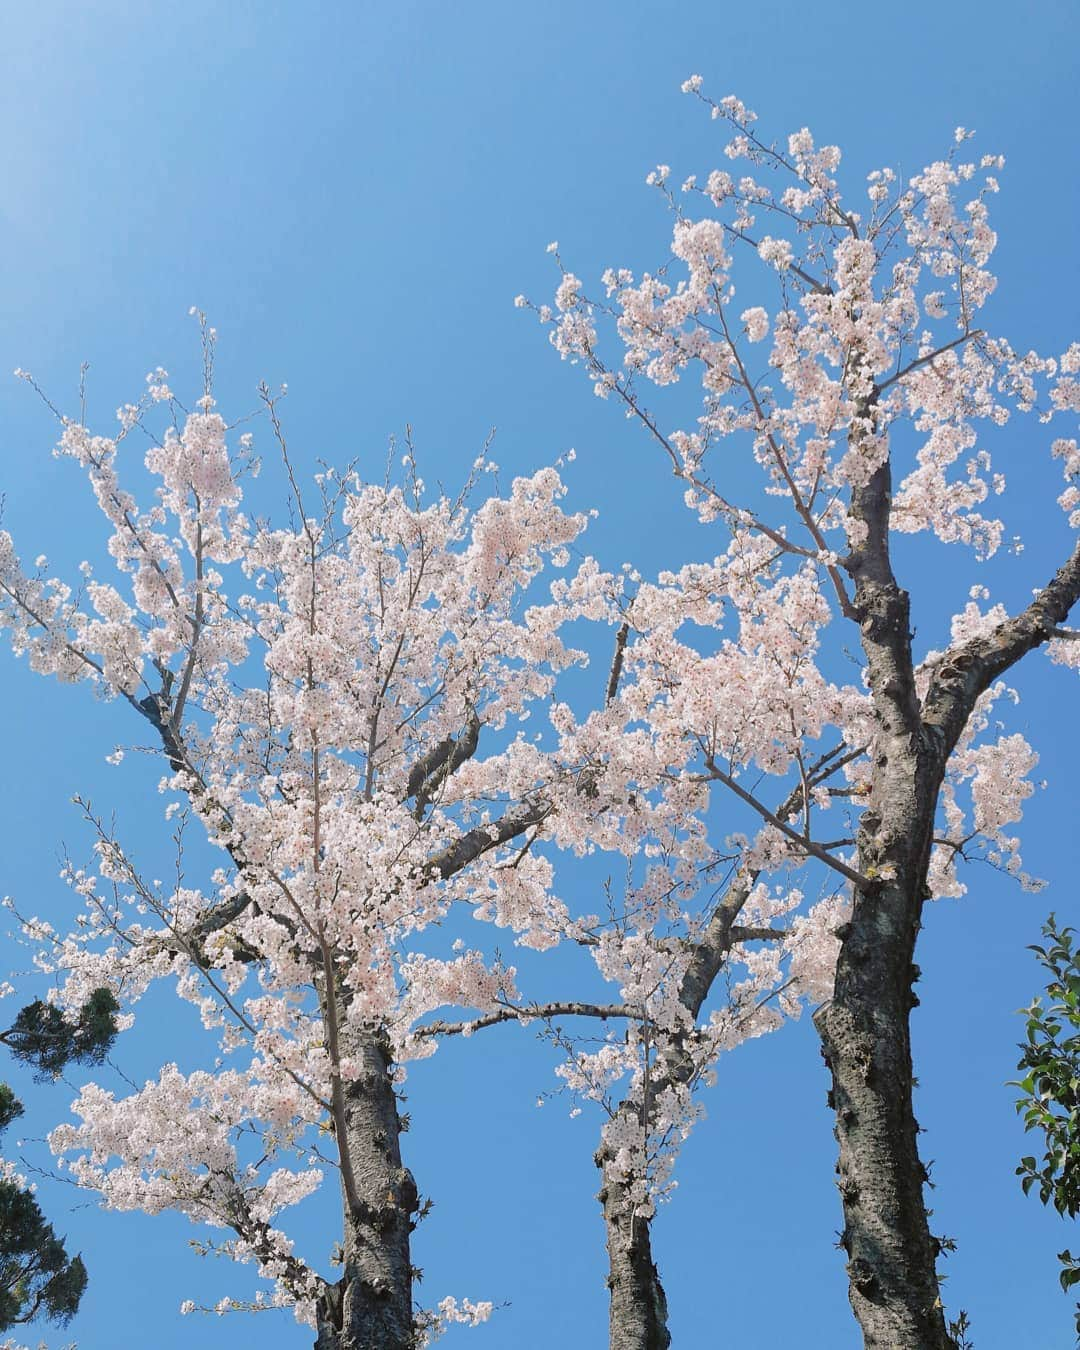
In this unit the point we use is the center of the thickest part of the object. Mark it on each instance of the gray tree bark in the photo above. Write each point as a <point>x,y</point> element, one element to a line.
<point>371,1305</point>
<point>637,1309</point>
<point>892,1255</point>
<point>892,1272</point>
<point>865,1031</point>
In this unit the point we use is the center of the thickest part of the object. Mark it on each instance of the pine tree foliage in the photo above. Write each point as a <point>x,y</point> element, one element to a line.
<point>42,1036</point>
<point>37,1277</point>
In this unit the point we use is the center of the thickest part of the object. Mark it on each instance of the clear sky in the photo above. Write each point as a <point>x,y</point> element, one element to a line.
<point>355,192</point>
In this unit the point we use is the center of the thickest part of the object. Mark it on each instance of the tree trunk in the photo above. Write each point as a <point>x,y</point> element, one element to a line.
<point>865,1034</point>
<point>637,1318</point>
<point>637,1314</point>
<point>866,1042</point>
<point>893,1283</point>
<point>370,1307</point>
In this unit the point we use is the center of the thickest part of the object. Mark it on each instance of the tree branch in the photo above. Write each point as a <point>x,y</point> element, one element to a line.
<point>716,941</point>
<point>621,638</point>
<point>433,769</point>
<point>928,358</point>
<point>968,669</point>
<point>739,934</point>
<point>538,1012</point>
<point>483,838</point>
<point>806,845</point>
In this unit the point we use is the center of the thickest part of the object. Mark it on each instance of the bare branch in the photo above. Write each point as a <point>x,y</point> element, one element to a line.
<point>807,846</point>
<point>713,945</point>
<point>535,1012</point>
<point>739,934</point>
<point>621,638</point>
<point>929,358</point>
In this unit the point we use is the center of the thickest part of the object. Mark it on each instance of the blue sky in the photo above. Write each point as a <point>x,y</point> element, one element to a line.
<point>355,193</point>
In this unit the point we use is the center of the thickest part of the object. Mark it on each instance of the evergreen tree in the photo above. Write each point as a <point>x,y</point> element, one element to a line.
<point>36,1274</point>
<point>1051,1086</point>
<point>44,1038</point>
<point>37,1277</point>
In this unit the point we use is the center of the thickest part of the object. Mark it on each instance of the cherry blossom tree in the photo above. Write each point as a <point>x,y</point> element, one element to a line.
<point>335,704</point>
<point>318,695</point>
<point>706,953</point>
<point>848,396</point>
<point>689,936</point>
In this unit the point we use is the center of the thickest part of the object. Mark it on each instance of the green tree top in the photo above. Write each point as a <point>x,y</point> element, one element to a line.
<point>1050,1088</point>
